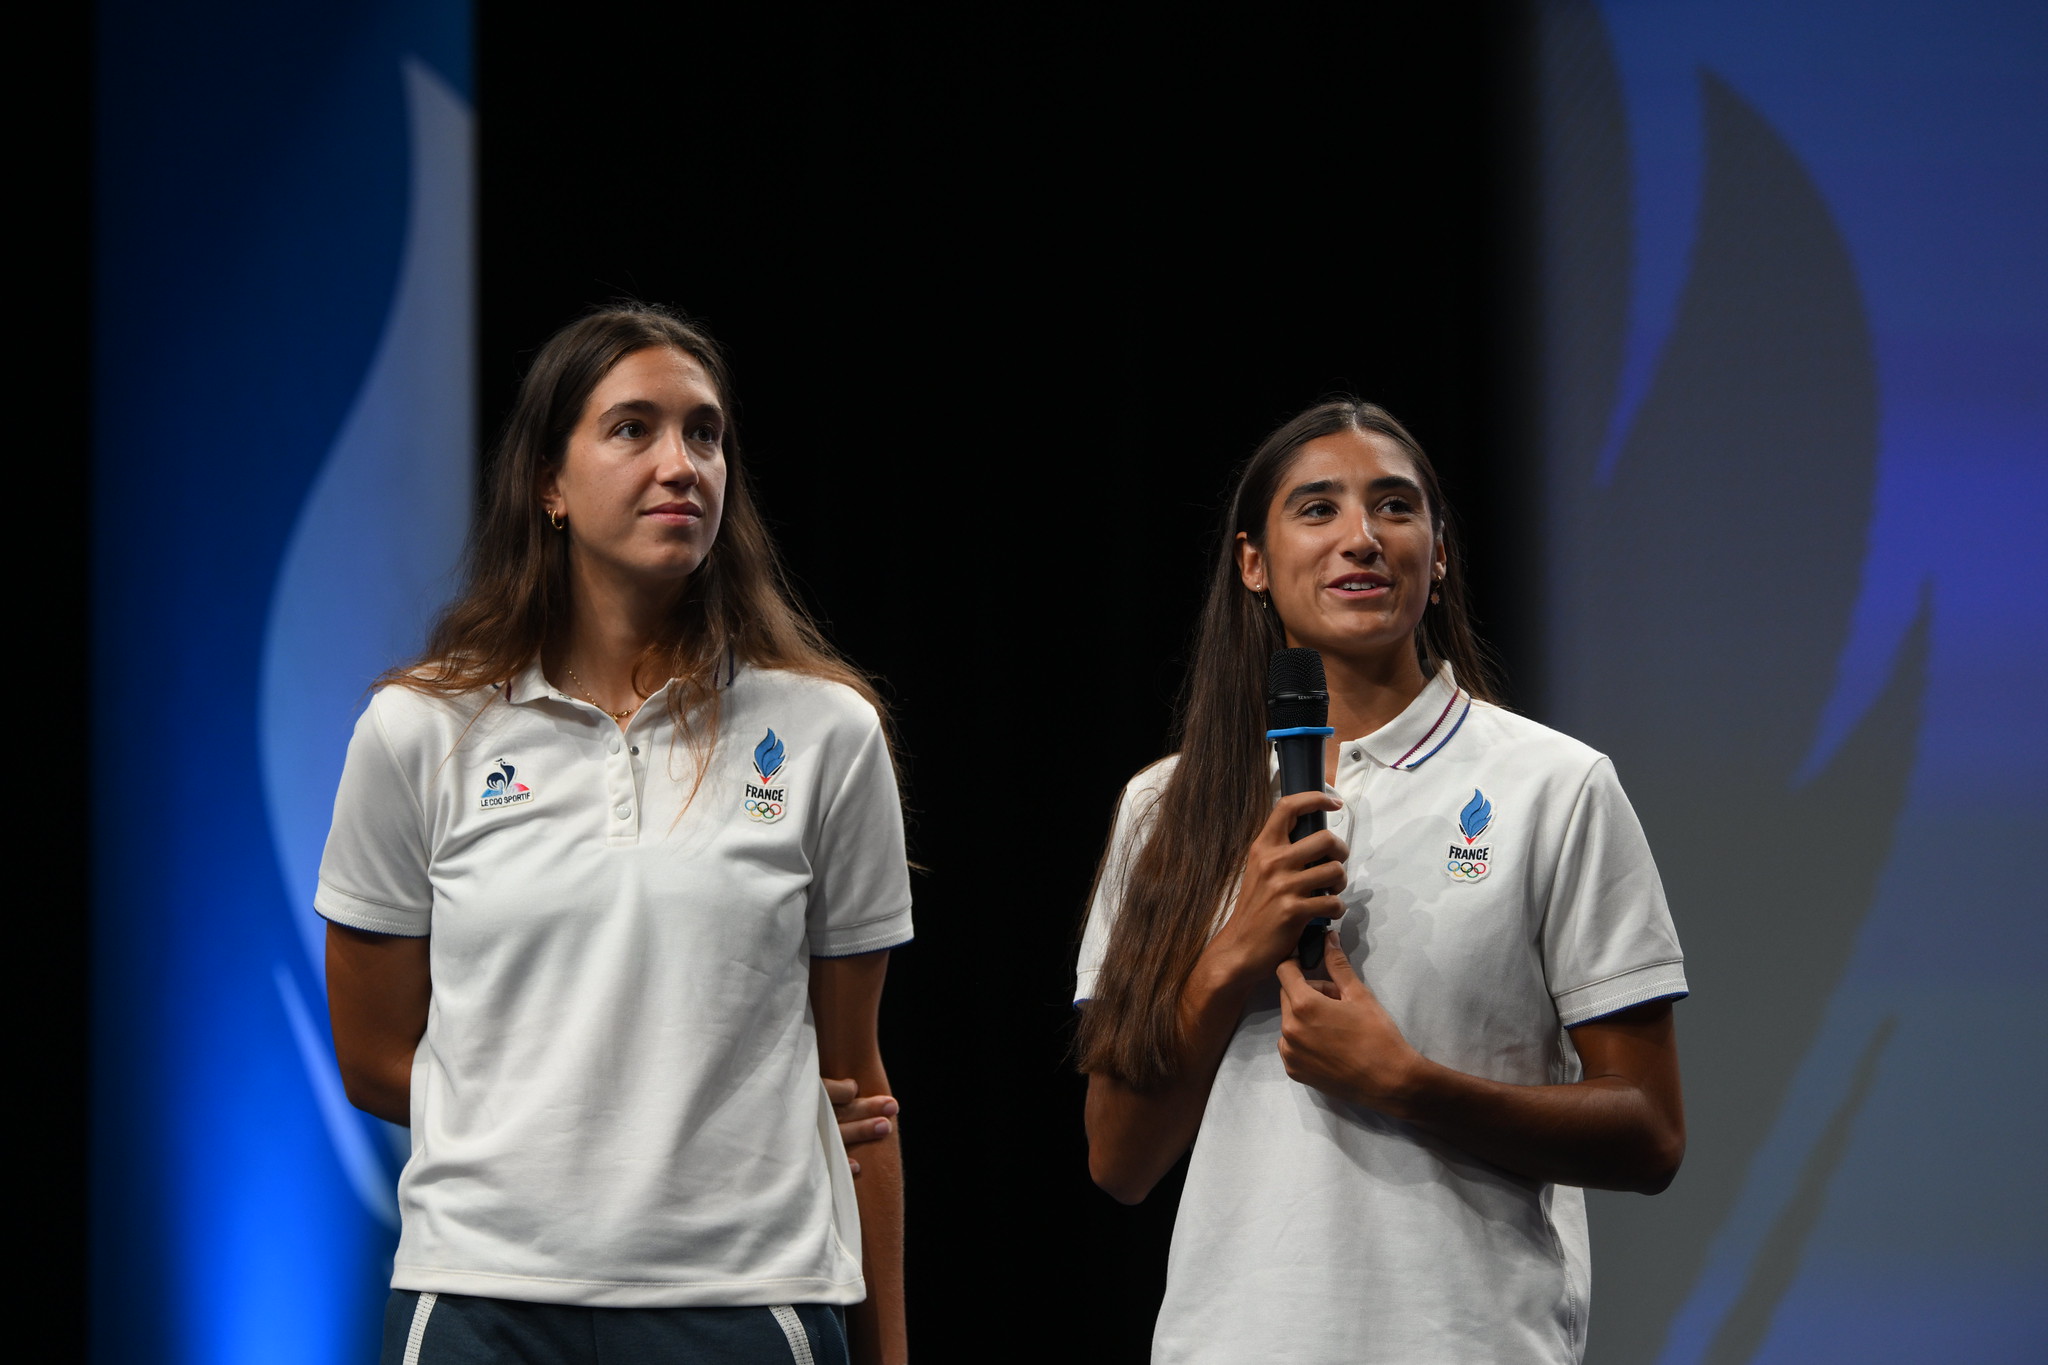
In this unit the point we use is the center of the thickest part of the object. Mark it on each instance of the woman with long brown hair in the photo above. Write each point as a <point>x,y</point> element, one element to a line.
<point>614,872</point>
<point>1388,1150</point>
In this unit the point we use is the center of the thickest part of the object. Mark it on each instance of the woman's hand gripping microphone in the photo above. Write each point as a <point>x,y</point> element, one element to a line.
<point>1286,884</point>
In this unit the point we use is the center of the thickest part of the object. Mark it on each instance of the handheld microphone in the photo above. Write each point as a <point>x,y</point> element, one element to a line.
<point>1298,714</point>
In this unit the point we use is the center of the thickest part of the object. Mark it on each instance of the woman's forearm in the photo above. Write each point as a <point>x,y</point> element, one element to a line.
<point>1602,1133</point>
<point>846,1001</point>
<point>1620,1128</point>
<point>378,990</point>
<point>877,1326</point>
<point>1135,1136</point>
<point>382,1088</point>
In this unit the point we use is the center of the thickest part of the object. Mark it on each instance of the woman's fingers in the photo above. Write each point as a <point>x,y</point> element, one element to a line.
<point>1286,884</point>
<point>870,1120</point>
<point>1288,809</point>
<point>862,1118</point>
<point>1321,846</point>
<point>866,1130</point>
<point>1274,855</point>
<point>1331,875</point>
<point>1312,893</point>
<point>867,1107</point>
<point>1342,973</point>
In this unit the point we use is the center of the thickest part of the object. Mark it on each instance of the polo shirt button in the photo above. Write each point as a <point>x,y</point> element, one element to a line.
<point>1354,755</point>
<point>613,747</point>
<point>634,750</point>
<point>623,812</point>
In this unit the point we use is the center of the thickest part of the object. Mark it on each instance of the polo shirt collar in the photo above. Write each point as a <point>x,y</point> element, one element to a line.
<point>530,684</point>
<point>1428,723</point>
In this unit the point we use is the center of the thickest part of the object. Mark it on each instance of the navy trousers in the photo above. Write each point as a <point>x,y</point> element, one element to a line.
<point>455,1329</point>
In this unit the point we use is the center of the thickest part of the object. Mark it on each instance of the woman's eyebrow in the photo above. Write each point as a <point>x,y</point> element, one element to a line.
<point>632,405</point>
<point>1311,488</point>
<point>1387,483</point>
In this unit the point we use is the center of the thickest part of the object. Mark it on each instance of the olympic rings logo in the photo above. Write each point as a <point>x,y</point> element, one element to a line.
<point>762,810</point>
<point>1465,871</point>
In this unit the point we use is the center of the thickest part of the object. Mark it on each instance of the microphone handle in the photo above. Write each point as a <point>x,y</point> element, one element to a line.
<point>1301,770</point>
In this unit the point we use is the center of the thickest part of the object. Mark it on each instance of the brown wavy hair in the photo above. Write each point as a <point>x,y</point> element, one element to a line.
<point>514,602</point>
<point>1220,792</point>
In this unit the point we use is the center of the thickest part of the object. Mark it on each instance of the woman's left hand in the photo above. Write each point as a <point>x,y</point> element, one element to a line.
<point>1336,1036</point>
<point>862,1118</point>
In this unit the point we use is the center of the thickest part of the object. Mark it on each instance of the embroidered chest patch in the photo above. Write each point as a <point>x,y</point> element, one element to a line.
<point>502,787</point>
<point>1468,860</point>
<point>765,801</point>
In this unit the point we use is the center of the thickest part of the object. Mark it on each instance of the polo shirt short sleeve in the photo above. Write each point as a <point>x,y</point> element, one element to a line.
<point>859,897</point>
<point>377,879</point>
<point>1608,942</point>
<point>1134,810</point>
<point>617,1100</point>
<point>1500,892</point>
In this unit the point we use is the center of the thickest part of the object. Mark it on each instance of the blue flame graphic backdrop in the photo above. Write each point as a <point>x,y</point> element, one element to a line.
<point>282,376</point>
<point>1794,334</point>
<point>1794,330</point>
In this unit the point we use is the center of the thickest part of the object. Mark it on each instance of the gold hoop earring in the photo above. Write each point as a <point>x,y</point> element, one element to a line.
<point>556,519</point>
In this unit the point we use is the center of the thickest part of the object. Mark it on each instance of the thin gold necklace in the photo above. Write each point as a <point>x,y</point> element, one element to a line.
<point>615,715</point>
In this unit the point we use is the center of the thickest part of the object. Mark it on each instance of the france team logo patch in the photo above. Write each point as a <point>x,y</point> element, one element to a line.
<point>1467,861</point>
<point>764,802</point>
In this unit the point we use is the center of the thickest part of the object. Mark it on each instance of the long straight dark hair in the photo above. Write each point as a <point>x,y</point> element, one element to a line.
<point>514,602</point>
<point>1220,792</point>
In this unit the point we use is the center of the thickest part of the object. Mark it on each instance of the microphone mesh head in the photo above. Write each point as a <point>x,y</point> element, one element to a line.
<point>1295,692</point>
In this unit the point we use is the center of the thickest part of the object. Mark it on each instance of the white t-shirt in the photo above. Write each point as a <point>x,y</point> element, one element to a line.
<point>617,1100</point>
<point>1500,890</point>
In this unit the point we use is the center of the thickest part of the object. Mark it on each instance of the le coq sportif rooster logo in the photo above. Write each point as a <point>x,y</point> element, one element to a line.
<point>502,787</point>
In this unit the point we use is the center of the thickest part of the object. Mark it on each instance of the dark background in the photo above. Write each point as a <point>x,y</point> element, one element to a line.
<point>1007,300</point>
<point>1006,305</point>
<point>49,573</point>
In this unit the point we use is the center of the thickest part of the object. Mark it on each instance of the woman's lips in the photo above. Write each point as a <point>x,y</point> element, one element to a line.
<point>675,513</point>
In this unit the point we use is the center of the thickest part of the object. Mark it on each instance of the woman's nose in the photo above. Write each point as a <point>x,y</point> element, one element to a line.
<point>675,465</point>
<point>1359,535</point>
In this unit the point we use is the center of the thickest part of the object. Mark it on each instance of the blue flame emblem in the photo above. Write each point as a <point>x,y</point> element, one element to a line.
<point>768,756</point>
<point>1477,817</point>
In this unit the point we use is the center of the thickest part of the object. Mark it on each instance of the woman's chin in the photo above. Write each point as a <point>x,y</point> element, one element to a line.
<point>656,572</point>
<point>1356,642</point>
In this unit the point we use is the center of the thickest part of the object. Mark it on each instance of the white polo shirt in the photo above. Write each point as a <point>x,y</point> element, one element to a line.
<point>1500,891</point>
<point>617,1100</point>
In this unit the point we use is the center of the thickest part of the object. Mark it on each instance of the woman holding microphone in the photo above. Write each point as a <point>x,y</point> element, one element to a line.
<point>614,873</point>
<point>1388,1150</point>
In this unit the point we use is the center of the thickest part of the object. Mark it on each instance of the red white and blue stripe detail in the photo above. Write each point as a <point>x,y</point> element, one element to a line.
<point>1408,762</point>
